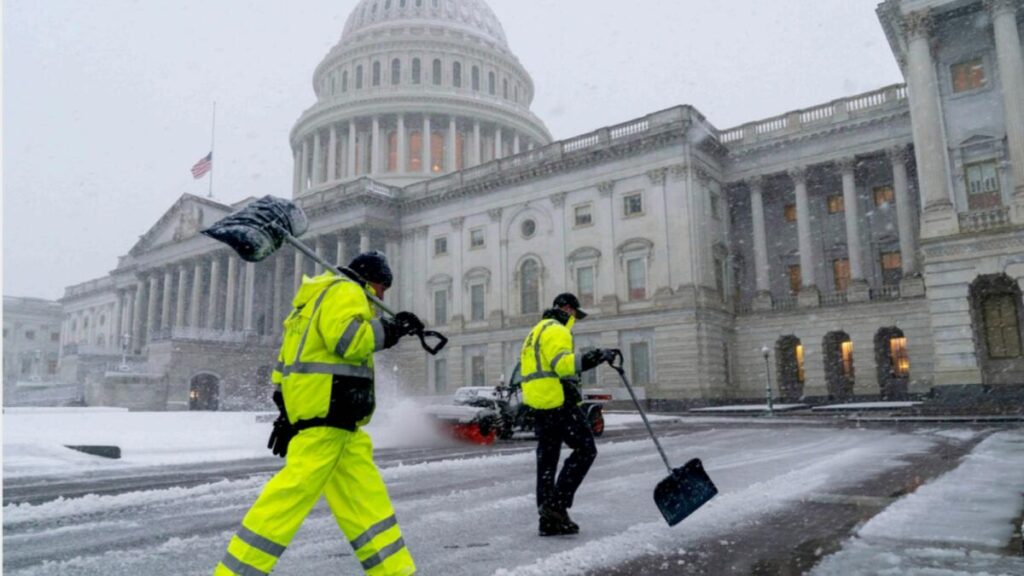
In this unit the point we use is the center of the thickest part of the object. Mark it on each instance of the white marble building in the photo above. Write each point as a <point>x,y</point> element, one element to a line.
<point>874,244</point>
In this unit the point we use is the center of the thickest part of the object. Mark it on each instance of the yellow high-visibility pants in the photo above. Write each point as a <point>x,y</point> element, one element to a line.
<point>338,464</point>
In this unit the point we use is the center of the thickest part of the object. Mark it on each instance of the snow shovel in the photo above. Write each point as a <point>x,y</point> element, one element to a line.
<point>685,489</point>
<point>258,229</point>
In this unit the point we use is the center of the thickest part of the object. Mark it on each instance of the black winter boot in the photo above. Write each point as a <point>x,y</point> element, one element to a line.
<point>556,522</point>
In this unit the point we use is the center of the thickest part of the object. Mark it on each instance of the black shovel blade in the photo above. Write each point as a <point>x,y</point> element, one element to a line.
<point>687,489</point>
<point>257,230</point>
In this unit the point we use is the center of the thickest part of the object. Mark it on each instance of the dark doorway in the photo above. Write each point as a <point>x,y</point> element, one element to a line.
<point>204,392</point>
<point>838,351</point>
<point>789,367</point>
<point>892,363</point>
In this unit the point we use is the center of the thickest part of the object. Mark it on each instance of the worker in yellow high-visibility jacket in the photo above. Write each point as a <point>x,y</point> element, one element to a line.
<point>550,375</point>
<point>324,389</point>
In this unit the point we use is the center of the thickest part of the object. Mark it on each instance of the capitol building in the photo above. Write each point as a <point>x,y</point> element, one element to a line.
<point>868,247</point>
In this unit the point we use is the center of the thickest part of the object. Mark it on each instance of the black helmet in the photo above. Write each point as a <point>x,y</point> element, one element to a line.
<point>570,299</point>
<point>373,267</point>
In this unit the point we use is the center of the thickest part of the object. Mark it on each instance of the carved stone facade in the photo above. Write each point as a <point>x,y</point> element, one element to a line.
<point>826,235</point>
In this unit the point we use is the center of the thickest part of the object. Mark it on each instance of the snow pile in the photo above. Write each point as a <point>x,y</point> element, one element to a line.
<point>960,521</point>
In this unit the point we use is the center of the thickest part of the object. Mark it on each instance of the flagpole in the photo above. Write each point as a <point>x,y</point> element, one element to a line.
<point>213,132</point>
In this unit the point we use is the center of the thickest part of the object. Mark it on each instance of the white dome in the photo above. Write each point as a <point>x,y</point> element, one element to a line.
<point>471,16</point>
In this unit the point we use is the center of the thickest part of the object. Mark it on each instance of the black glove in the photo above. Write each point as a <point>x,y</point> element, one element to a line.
<point>610,354</point>
<point>403,324</point>
<point>591,358</point>
<point>280,436</point>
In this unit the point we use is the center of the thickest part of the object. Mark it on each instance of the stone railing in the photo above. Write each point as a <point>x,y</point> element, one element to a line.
<point>891,292</point>
<point>833,298</point>
<point>90,349</point>
<point>991,218</point>
<point>201,334</point>
<point>841,110</point>
<point>335,190</point>
<point>784,303</point>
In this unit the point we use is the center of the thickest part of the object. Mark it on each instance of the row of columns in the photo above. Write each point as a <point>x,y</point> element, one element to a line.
<point>898,157</point>
<point>939,216</point>
<point>359,147</point>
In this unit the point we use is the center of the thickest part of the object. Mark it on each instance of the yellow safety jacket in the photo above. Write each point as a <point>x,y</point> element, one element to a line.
<point>545,360</point>
<point>329,341</point>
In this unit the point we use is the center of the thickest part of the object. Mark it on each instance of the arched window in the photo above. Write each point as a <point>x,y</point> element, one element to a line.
<point>476,78</point>
<point>376,73</point>
<point>457,74</point>
<point>396,71</point>
<point>839,373</point>
<point>393,152</point>
<point>490,83</point>
<point>415,70</point>
<point>414,163</point>
<point>437,72</point>
<point>529,287</point>
<point>436,152</point>
<point>359,77</point>
<point>789,367</point>
<point>504,89</point>
<point>344,81</point>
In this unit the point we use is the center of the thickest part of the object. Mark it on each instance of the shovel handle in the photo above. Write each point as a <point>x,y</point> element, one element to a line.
<point>622,374</point>
<point>441,341</point>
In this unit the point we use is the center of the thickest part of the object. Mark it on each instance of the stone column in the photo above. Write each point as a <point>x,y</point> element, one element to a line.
<point>297,173</point>
<point>475,156</point>
<point>808,291</point>
<point>340,249</point>
<point>403,160</point>
<point>179,307</point>
<point>321,249</point>
<point>911,284</point>
<point>763,297</point>
<point>165,303</point>
<point>250,295</point>
<point>857,290</point>
<point>939,217</point>
<point>215,282</point>
<point>364,240</point>
<point>151,304</point>
<point>450,157</point>
<point>515,143</point>
<point>297,272</point>
<point>318,156</point>
<point>197,294</point>
<point>140,288</point>
<point>392,250</point>
<point>498,151</point>
<point>230,294</point>
<point>1011,73</point>
<point>350,165</point>
<point>426,154</point>
<point>116,326</point>
<point>375,146</point>
<point>332,155</point>
<point>305,164</point>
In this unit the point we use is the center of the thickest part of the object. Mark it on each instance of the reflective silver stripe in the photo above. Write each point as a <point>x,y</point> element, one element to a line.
<point>240,568</point>
<point>260,543</point>
<point>536,345</point>
<point>554,363</point>
<point>373,531</point>
<point>325,368</point>
<point>539,375</point>
<point>312,318</point>
<point>378,334</point>
<point>279,366</point>
<point>348,336</point>
<point>384,553</point>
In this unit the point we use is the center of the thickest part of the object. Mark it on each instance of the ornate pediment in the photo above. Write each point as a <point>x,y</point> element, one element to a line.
<point>183,220</point>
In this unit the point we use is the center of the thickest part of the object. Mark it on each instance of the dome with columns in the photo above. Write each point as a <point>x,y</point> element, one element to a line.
<point>406,68</point>
<point>469,16</point>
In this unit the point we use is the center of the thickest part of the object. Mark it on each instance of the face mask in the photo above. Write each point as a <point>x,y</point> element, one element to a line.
<point>572,320</point>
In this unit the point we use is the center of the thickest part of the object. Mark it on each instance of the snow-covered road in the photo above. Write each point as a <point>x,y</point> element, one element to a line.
<point>475,515</point>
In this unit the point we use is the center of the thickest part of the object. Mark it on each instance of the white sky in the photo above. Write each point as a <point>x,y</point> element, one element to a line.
<point>107,103</point>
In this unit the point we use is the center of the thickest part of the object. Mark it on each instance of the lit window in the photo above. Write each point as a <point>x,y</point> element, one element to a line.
<point>633,204</point>
<point>392,152</point>
<point>1002,325</point>
<point>441,307</point>
<point>836,204</point>
<point>584,215</point>
<point>841,273</point>
<point>640,362</point>
<point>891,261</point>
<point>476,238</point>
<point>436,152</point>
<point>414,163</point>
<point>636,277</point>
<point>899,357</point>
<point>982,185</point>
<point>969,75</point>
<point>476,299</point>
<point>440,246</point>
<point>846,351</point>
<point>585,285</point>
<point>883,195</point>
<point>800,363</point>
<point>795,281</point>
<point>789,213</point>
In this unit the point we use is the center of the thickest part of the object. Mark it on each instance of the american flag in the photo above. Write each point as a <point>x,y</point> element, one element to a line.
<point>204,165</point>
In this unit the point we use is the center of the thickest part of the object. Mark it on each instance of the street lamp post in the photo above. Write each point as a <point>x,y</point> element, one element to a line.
<point>765,351</point>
